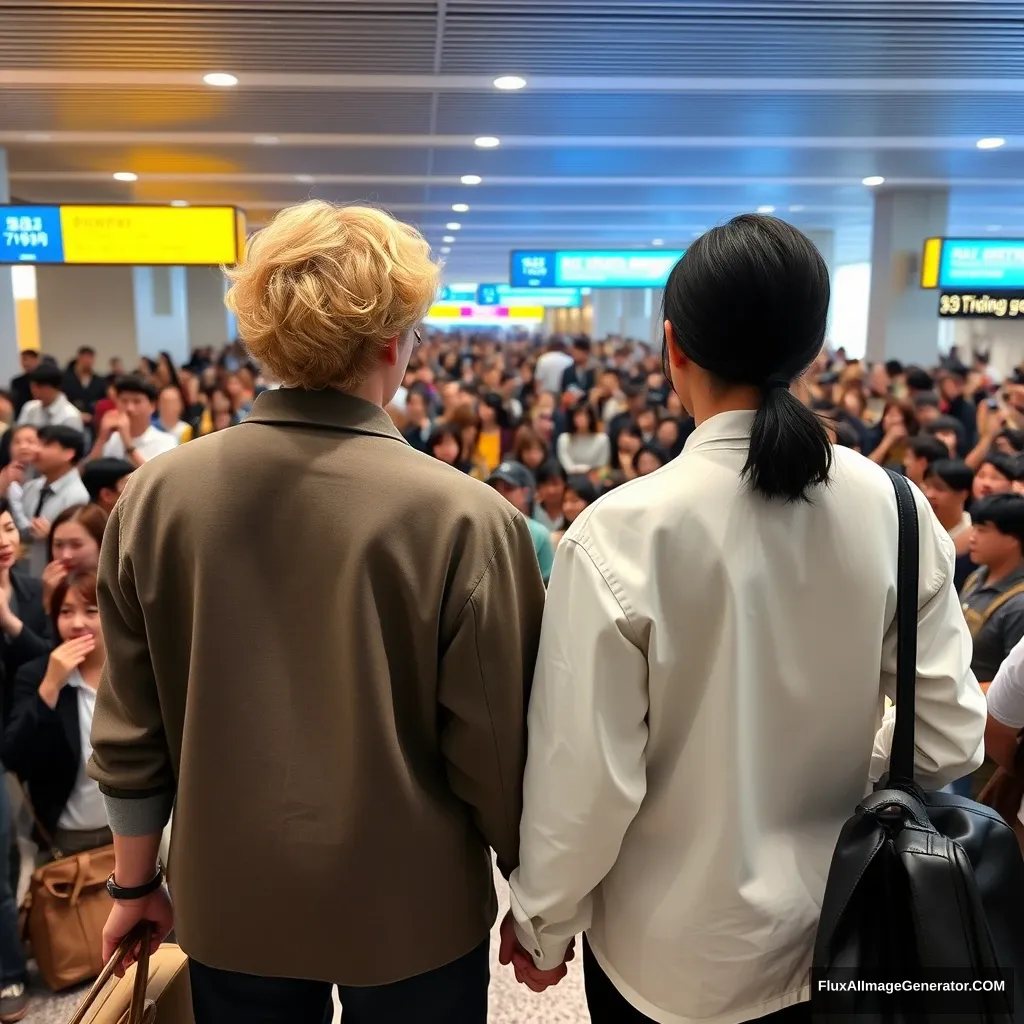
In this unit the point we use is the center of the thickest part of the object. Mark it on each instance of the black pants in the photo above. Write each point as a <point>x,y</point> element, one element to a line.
<point>454,993</point>
<point>608,1006</point>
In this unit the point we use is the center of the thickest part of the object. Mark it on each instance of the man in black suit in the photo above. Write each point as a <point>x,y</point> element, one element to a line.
<point>581,375</point>
<point>21,386</point>
<point>82,386</point>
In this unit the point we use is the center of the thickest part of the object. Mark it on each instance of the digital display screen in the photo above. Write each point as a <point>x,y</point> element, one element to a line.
<point>1007,304</point>
<point>626,268</point>
<point>457,293</point>
<point>981,263</point>
<point>121,235</point>
<point>507,295</point>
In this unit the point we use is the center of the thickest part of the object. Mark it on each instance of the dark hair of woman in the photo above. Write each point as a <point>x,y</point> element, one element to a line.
<point>83,582</point>
<point>748,303</point>
<point>583,487</point>
<point>585,407</point>
<point>92,518</point>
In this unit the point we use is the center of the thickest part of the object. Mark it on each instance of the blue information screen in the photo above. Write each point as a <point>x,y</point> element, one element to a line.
<point>606,268</point>
<point>981,263</point>
<point>457,293</point>
<point>30,234</point>
<point>508,295</point>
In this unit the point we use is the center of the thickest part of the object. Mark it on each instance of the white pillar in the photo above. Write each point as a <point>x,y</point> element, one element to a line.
<point>903,320</point>
<point>208,319</point>
<point>9,362</point>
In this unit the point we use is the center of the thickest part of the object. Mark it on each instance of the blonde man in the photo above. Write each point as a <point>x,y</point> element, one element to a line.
<point>319,648</point>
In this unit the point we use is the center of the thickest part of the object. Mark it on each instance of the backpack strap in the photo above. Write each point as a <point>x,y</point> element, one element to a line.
<point>1014,591</point>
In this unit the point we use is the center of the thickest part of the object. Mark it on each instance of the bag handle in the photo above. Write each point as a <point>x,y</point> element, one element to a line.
<point>901,754</point>
<point>141,936</point>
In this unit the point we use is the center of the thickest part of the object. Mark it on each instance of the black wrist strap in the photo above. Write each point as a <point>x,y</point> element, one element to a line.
<point>136,892</point>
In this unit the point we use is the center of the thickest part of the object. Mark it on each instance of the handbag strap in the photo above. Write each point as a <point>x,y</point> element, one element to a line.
<point>139,936</point>
<point>901,754</point>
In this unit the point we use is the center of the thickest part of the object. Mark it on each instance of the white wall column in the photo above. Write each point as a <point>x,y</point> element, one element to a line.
<point>10,365</point>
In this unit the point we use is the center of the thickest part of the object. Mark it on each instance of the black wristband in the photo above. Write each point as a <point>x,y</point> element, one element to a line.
<point>137,892</point>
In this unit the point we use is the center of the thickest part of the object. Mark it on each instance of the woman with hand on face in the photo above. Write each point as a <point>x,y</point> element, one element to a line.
<point>74,545</point>
<point>46,741</point>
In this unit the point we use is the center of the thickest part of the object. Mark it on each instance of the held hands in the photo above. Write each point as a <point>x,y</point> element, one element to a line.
<point>66,658</point>
<point>527,973</point>
<point>53,576</point>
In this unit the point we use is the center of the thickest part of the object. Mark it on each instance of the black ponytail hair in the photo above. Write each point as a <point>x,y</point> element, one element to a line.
<point>748,303</point>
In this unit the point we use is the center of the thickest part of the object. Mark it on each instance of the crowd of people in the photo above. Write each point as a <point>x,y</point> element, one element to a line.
<point>370,640</point>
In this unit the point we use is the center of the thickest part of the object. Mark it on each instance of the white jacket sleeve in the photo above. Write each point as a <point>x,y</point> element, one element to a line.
<point>586,769</point>
<point>950,710</point>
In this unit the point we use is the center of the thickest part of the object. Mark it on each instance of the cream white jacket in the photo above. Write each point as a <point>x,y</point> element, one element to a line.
<point>710,682</point>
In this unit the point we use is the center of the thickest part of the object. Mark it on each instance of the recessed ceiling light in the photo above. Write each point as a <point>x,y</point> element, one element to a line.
<point>125,176</point>
<point>658,241</point>
<point>305,179</point>
<point>510,83</point>
<point>179,202</point>
<point>460,208</point>
<point>445,250</point>
<point>448,238</point>
<point>487,142</point>
<point>995,142</point>
<point>994,227</point>
<point>38,137</point>
<point>471,179</point>
<point>873,180</point>
<point>453,225</point>
<point>797,209</point>
<point>767,208</point>
<point>266,140</point>
<point>220,78</point>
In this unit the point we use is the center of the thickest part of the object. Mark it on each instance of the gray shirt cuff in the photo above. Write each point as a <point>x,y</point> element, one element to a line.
<point>145,816</point>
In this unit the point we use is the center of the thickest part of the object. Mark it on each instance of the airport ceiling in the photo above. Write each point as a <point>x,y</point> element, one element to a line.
<point>639,120</point>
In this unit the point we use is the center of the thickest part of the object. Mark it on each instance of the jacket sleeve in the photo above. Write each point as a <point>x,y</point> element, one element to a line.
<point>130,758</point>
<point>483,683</point>
<point>950,710</point>
<point>26,748</point>
<point>586,770</point>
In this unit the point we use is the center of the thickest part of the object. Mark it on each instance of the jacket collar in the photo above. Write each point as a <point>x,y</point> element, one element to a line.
<point>295,407</point>
<point>726,430</point>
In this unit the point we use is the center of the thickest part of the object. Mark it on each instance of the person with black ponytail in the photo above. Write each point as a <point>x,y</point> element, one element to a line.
<point>704,714</point>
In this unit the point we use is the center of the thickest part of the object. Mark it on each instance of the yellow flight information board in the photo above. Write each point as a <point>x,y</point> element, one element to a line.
<point>122,235</point>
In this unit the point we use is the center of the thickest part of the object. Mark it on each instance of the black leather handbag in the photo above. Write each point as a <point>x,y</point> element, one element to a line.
<point>923,887</point>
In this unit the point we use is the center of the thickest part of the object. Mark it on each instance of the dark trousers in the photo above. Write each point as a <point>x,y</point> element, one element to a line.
<point>453,994</point>
<point>12,956</point>
<point>608,1006</point>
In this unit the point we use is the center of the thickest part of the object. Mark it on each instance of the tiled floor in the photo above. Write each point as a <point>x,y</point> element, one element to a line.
<point>511,1003</point>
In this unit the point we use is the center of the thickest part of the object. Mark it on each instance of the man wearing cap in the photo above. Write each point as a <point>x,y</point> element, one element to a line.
<point>515,483</point>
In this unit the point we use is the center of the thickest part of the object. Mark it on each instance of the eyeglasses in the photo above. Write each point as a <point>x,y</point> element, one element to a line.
<point>417,335</point>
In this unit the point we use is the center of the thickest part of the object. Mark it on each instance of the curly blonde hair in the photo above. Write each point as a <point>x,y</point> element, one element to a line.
<point>323,288</point>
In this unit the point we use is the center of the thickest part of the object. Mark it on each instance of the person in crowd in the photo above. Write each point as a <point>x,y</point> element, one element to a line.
<point>671,435</point>
<point>541,420</point>
<point>418,426</point>
<point>635,398</point>
<point>547,506</point>
<point>993,597</point>
<point>23,452</point>
<point>21,385</point>
<point>399,624</point>
<point>116,367</point>
<point>947,486</point>
<point>492,441</point>
<point>844,435</point>
<point>49,406</point>
<point>445,445</point>
<point>647,459</point>
<point>471,460</point>
<point>581,374</point>
<point>219,412</point>
<point>629,441</point>
<point>74,546</point>
<point>920,452</point>
<point>81,385</point>
<point>899,425</point>
<point>129,432</point>
<point>170,411</point>
<point>950,432</point>
<point>104,479</point>
<point>996,475</point>
<point>552,366</point>
<point>642,668</point>
<point>956,403</point>
<point>108,403</point>
<point>57,487</point>
<point>580,492</point>
<point>242,397</point>
<point>46,743</point>
<point>530,449</point>
<point>584,448</point>
<point>166,373</point>
<point>514,482</point>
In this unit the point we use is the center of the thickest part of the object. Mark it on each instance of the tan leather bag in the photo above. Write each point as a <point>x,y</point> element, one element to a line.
<point>67,906</point>
<point>155,990</point>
